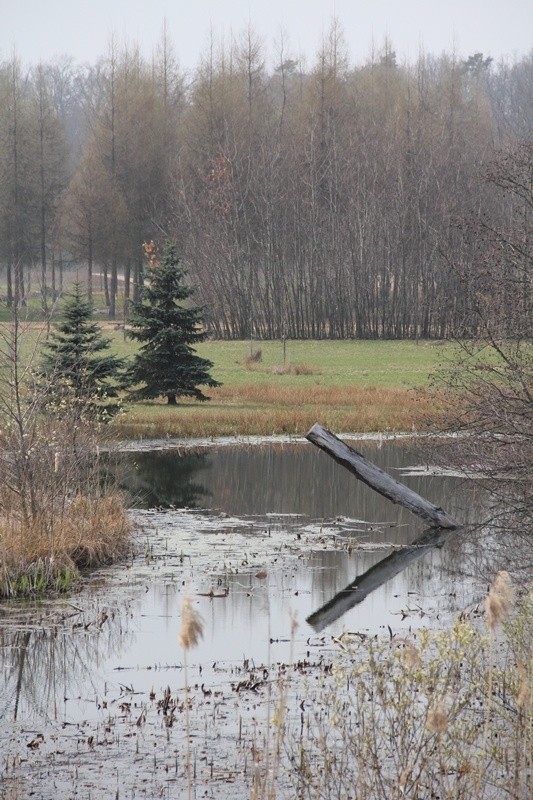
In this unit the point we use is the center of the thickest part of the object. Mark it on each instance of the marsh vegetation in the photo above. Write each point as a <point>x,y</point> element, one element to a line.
<point>395,692</point>
<point>56,512</point>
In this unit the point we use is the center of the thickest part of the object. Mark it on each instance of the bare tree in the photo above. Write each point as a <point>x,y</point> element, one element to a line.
<point>493,374</point>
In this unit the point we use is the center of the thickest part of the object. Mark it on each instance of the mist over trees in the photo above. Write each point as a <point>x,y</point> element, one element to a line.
<point>305,201</point>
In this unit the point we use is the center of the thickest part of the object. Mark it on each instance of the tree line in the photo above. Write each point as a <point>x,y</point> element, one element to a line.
<point>316,201</point>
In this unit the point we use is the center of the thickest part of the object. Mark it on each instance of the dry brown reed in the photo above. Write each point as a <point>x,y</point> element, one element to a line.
<point>192,625</point>
<point>437,721</point>
<point>87,533</point>
<point>263,409</point>
<point>497,606</point>
<point>190,633</point>
<point>499,600</point>
<point>312,394</point>
<point>524,692</point>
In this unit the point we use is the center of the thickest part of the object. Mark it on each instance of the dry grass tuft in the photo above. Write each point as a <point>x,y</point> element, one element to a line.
<point>295,369</point>
<point>524,692</point>
<point>499,600</point>
<point>46,553</point>
<point>96,530</point>
<point>256,357</point>
<point>437,721</point>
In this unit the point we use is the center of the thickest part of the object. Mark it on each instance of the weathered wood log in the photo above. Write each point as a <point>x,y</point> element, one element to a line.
<point>379,480</point>
<point>376,576</point>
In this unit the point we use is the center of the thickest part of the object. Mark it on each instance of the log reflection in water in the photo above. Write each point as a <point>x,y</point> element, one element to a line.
<point>377,575</point>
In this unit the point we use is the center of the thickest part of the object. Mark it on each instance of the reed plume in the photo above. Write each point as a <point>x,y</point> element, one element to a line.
<point>191,631</point>
<point>192,625</point>
<point>499,600</point>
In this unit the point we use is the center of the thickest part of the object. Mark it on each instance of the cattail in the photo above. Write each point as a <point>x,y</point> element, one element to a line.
<point>499,599</point>
<point>523,692</point>
<point>294,623</point>
<point>192,625</point>
<point>437,720</point>
<point>411,656</point>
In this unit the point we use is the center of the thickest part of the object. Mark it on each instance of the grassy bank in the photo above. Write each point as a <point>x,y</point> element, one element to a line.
<point>54,518</point>
<point>59,511</point>
<point>45,554</point>
<point>346,385</point>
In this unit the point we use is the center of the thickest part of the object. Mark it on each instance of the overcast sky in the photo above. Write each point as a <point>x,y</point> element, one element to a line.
<point>43,29</point>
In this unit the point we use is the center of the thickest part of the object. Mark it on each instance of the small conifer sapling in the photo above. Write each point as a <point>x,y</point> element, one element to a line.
<point>76,368</point>
<point>167,364</point>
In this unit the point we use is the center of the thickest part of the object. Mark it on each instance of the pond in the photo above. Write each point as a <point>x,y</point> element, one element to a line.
<point>260,537</point>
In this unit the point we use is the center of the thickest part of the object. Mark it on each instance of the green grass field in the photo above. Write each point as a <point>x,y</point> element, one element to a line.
<point>346,385</point>
<point>390,364</point>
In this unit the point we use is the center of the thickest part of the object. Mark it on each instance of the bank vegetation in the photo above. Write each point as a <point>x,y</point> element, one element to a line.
<point>57,513</point>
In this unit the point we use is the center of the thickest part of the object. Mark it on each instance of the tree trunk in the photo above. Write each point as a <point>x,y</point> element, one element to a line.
<point>171,399</point>
<point>127,281</point>
<point>9,277</point>
<point>106,284</point>
<point>138,280</point>
<point>53,276</point>
<point>60,265</point>
<point>19,283</point>
<point>90,270</point>
<point>113,288</point>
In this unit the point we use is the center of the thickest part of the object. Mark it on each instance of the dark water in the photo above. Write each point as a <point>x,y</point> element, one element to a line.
<point>270,531</point>
<point>288,479</point>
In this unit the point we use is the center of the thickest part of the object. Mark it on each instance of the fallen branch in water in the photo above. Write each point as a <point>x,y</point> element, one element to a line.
<point>377,479</point>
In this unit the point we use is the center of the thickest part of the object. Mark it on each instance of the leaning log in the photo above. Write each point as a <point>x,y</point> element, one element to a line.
<point>379,480</point>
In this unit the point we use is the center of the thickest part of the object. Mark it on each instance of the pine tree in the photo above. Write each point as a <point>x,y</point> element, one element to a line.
<point>75,367</point>
<point>166,364</point>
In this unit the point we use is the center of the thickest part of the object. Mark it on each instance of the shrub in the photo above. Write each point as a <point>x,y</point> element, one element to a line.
<point>255,357</point>
<point>427,716</point>
<point>56,514</point>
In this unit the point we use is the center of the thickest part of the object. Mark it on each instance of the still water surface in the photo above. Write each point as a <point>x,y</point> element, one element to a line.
<point>255,535</point>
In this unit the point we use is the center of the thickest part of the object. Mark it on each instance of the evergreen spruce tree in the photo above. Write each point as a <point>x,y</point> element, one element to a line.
<point>166,364</point>
<point>75,366</point>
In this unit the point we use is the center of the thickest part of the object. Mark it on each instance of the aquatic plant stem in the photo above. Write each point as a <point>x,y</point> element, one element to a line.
<point>191,632</point>
<point>187,729</point>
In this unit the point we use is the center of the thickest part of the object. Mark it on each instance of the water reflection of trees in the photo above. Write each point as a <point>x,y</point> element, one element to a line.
<point>165,479</point>
<point>43,667</point>
<point>286,479</point>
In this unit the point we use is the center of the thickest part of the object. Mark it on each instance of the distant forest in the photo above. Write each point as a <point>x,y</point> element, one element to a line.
<point>305,203</point>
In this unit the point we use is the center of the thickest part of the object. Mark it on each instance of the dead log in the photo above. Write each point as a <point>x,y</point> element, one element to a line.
<point>379,480</point>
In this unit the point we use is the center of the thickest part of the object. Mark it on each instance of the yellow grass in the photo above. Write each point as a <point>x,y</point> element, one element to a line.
<point>35,557</point>
<point>265,409</point>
